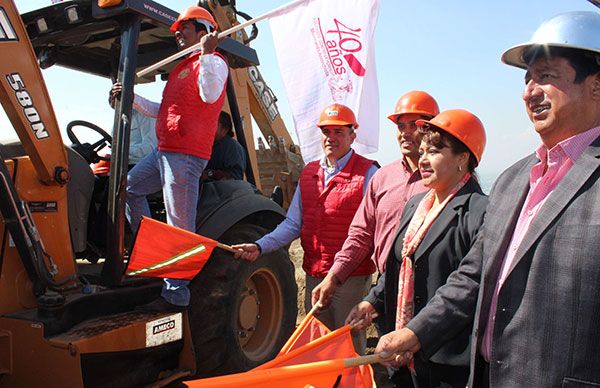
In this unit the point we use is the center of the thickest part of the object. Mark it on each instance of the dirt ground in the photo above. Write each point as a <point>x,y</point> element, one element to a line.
<point>296,254</point>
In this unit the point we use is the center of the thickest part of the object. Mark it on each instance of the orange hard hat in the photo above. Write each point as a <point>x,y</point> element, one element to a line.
<point>416,102</point>
<point>463,125</point>
<point>193,13</point>
<point>337,114</point>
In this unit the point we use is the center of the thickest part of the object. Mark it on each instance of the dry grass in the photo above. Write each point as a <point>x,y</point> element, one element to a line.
<point>296,254</point>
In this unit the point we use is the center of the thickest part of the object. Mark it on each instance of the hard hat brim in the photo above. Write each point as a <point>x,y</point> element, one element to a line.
<point>514,56</point>
<point>477,153</point>
<point>422,122</point>
<point>336,122</point>
<point>175,26</point>
<point>394,117</point>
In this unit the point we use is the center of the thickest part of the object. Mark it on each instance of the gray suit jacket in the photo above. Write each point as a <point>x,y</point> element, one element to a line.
<point>547,331</point>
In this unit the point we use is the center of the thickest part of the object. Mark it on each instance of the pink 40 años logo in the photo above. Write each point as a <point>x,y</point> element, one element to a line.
<point>345,44</point>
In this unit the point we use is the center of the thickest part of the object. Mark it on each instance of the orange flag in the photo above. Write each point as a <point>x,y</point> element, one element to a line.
<point>309,329</point>
<point>330,346</point>
<point>164,251</point>
<point>312,341</point>
<point>300,366</point>
<point>321,374</point>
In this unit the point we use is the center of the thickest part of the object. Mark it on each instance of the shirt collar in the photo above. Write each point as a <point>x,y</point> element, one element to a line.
<point>572,147</point>
<point>339,164</point>
<point>408,169</point>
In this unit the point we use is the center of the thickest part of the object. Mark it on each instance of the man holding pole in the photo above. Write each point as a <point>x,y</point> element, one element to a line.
<point>327,196</point>
<point>186,124</point>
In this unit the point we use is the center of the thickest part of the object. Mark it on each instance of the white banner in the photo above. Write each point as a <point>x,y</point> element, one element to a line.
<point>326,54</point>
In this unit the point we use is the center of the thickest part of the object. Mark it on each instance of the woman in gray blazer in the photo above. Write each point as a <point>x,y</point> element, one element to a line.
<point>436,231</point>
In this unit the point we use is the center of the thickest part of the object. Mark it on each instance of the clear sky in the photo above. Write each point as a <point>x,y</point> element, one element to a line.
<point>450,48</point>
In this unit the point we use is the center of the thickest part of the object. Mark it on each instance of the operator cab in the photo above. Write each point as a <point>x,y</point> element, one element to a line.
<point>80,35</point>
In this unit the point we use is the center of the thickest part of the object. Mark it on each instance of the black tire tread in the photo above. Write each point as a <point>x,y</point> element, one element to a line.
<point>213,296</point>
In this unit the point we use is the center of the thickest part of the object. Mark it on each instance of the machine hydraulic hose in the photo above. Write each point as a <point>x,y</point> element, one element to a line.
<point>25,236</point>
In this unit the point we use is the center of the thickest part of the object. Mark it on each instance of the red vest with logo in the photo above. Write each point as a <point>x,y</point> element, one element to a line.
<point>185,123</point>
<point>327,213</point>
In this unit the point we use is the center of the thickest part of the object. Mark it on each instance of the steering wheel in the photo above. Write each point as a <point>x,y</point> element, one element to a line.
<point>87,150</point>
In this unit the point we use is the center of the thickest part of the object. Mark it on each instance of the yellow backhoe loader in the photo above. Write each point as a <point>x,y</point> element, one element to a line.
<point>70,322</point>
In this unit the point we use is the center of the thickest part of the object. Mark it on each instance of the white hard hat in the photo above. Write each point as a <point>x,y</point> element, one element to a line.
<point>577,30</point>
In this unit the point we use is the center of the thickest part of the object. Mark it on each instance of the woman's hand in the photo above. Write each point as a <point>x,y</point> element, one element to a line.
<point>361,315</point>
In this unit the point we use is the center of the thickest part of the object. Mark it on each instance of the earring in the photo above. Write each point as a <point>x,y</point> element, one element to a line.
<point>460,168</point>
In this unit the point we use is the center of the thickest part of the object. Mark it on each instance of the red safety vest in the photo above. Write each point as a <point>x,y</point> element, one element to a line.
<point>185,123</point>
<point>327,213</point>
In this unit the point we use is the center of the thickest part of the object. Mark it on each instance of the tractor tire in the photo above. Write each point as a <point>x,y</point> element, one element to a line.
<point>241,313</point>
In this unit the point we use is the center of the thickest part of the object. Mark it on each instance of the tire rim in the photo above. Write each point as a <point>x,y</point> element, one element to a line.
<point>260,313</point>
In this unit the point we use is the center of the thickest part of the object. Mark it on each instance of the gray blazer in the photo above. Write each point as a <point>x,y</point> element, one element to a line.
<point>547,331</point>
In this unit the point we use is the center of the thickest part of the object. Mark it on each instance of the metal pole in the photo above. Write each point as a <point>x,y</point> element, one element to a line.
<point>113,268</point>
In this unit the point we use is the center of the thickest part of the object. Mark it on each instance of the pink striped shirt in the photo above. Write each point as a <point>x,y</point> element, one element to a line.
<point>543,179</point>
<point>377,218</point>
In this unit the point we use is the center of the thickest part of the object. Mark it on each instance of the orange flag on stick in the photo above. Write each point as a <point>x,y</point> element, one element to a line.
<point>307,362</point>
<point>164,251</point>
<point>312,341</point>
<point>330,346</point>
<point>309,329</point>
<point>322,374</point>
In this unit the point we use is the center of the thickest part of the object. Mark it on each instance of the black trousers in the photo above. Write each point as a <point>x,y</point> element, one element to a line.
<point>482,374</point>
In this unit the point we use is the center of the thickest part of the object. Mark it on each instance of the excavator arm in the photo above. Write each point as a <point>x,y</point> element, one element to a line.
<point>32,189</point>
<point>279,164</point>
<point>26,102</point>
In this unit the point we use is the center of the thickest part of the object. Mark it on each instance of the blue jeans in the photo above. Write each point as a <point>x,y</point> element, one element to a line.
<point>178,175</point>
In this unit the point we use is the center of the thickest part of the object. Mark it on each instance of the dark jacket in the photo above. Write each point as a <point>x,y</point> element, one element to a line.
<point>447,241</point>
<point>548,313</point>
<point>228,161</point>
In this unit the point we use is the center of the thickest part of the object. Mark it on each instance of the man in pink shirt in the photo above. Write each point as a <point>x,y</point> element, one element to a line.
<point>376,220</point>
<point>531,282</point>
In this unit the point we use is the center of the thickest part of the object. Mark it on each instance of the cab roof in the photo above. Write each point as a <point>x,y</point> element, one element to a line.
<point>78,34</point>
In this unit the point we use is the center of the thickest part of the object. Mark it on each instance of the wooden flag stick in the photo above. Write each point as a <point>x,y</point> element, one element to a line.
<point>362,360</point>
<point>286,347</point>
<point>360,321</point>
<point>314,309</point>
<point>226,247</point>
<point>223,34</point>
